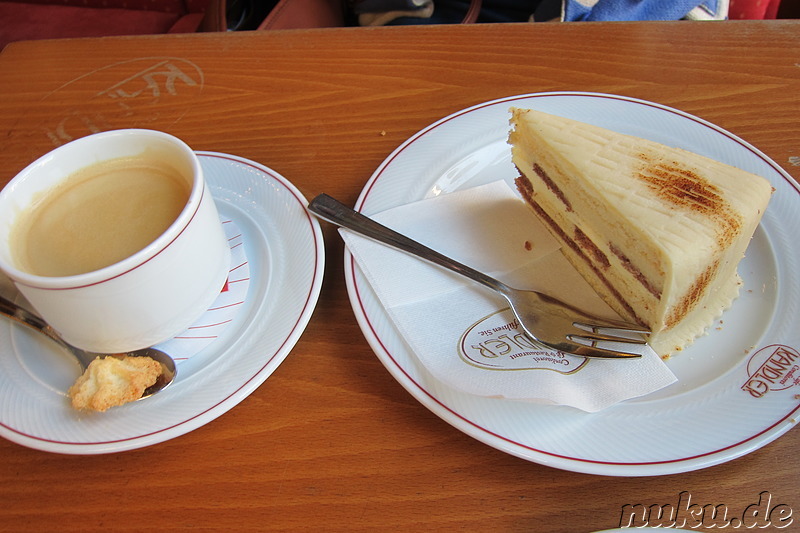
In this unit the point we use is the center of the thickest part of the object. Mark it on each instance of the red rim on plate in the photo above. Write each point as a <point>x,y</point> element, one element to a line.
<point>459,412</point>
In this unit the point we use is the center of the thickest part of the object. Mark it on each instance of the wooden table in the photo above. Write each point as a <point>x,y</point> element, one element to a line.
<point>330,442</point>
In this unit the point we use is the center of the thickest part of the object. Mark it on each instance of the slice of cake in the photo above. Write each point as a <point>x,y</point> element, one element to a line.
<point>657,231</point>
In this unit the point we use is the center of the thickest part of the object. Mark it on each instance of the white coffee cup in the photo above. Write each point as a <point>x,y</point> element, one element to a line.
<point>151,295</point>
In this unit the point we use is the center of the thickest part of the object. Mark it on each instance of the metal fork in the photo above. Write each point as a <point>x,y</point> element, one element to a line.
<point>548,321</point>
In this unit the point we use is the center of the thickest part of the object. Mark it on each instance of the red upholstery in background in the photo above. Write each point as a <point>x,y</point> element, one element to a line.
<point>55,19</point>
<point>753,9</point>
<point>167,6</point>
<point>194,6</point>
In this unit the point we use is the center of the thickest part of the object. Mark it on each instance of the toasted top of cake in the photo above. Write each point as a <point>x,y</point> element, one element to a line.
<point>657,231</point>
<point>674,194</point>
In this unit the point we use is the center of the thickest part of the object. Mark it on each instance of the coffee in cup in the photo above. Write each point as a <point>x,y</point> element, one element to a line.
<point>114,239</point>
<point>98,216</point>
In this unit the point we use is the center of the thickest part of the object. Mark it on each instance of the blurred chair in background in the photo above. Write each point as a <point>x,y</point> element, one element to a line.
<point>54,19</point>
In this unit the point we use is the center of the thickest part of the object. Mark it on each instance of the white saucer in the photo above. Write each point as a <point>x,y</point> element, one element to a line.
<point>710,415</point>
<point>285,251</point>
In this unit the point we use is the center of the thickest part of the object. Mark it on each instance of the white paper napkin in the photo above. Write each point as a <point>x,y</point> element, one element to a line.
<point>464,334</point>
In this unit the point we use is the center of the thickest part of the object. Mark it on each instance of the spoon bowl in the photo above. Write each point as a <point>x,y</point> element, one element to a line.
<point>84,358</point>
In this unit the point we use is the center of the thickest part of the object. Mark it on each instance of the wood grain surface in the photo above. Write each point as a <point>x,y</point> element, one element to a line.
<point>330,442</point>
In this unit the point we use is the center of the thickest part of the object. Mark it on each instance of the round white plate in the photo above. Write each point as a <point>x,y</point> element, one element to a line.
<point>639,528</point>
<point>285,253</point>
<point>709,416</point>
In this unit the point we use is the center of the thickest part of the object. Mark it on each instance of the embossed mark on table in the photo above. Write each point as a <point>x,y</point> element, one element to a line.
<point>142,92</point>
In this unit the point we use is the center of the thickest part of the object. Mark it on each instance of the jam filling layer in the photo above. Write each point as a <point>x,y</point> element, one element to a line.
<point>526,189</point>
<point>550,184</point>
<point>582,242</point>
<point>628,265</point>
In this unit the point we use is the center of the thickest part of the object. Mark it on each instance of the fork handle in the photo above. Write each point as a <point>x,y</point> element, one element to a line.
<point>337,213</point>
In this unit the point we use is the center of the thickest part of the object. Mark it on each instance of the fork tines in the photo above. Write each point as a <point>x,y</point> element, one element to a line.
<point>614,330</point>
<point>619,337</point>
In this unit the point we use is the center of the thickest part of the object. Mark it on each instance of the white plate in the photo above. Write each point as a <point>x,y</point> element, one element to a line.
<point>640,528</point>
<point>285,253</point>
<point>704,419</point>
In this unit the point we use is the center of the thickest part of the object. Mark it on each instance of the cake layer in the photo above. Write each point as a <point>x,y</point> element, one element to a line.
<point>657,231</point>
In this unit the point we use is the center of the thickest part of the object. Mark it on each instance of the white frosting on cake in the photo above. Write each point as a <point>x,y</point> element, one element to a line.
<point>657,231</point>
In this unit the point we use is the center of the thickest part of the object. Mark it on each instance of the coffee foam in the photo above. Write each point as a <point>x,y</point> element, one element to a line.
<point>98,216</point>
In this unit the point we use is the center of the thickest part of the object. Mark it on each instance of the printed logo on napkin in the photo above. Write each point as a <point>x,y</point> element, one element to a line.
<point>462,333</point>
<point>497,342</point>
<point>223,311</point>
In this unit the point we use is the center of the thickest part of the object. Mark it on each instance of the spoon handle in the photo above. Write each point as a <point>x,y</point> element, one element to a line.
<point>337,213</point>
<point>84,358</point>
<point>26,318</point>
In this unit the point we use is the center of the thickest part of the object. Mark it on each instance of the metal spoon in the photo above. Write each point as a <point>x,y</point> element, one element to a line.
<point>17,313</point>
